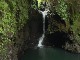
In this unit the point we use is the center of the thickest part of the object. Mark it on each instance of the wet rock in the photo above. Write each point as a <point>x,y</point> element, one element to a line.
<point>29,35</point>
<point>60,34</point>
<point>75,48</point>
<point>36,27</point>
<point>57,39</point>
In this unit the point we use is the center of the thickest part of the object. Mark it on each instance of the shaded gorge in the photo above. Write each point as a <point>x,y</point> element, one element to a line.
<point>47,31</point>
<point>58,39</point>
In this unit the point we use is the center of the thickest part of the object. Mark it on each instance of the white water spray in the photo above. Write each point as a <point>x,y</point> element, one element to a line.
<point>44,13</point>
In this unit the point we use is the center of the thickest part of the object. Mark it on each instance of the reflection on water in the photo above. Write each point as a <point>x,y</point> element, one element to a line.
<point>49,54</point>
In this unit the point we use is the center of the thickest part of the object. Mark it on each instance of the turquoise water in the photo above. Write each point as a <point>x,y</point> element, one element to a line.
<point>49,54</point>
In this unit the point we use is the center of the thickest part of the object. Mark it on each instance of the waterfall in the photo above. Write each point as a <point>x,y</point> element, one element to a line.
<point>44,13</point>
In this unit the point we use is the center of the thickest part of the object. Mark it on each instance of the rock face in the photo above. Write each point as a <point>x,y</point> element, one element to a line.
<point>17,32</point>
<point>35,26</point>
<point>57,31</point>
<point>63,33</point>
<point>13,16</point>
<point>74,47</point>
<point>29,35</point>
<point>20,28</point>
<point>60,35</point>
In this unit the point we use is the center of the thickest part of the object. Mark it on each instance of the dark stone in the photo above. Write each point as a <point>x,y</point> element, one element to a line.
<point>56,17</point>
<point>36,27</point>
<point>74,47</point>
<point>57,39</point>
<point>29,35</point>
<point>46,23</point>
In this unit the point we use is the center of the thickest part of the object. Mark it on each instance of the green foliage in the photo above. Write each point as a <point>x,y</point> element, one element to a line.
<point>34,4</point>
<point>9,25</point>
<point>7,28</point>
<point>22,13</point>
<point>74,15</point>
<point>76,27</point>
<point>4,49</point>
<point>61,9</point>
<point>39,1</point>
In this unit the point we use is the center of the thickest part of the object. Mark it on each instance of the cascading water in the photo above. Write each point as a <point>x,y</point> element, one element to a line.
<point>44,13</point>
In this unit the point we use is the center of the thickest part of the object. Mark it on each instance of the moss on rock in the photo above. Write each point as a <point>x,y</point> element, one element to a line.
<point>13,16</point>
<point>67,11</point>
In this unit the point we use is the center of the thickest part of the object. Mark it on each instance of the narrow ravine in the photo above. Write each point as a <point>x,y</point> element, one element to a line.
<point>47,53</point>
<point>51,40</point>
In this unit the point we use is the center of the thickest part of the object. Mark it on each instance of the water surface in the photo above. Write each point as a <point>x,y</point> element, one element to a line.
<point>49,54</point>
